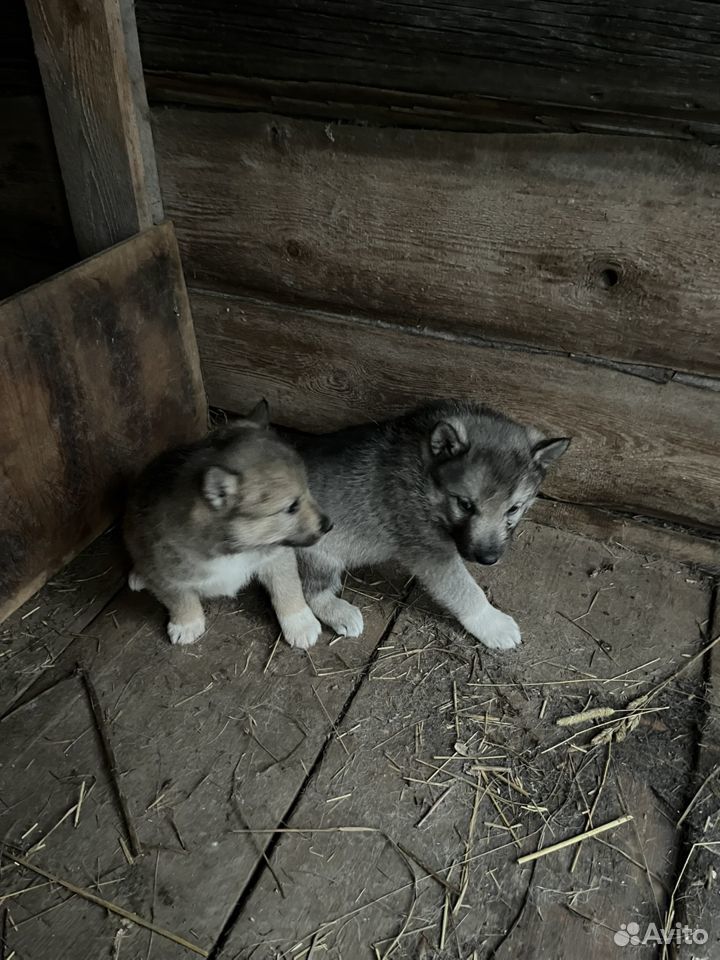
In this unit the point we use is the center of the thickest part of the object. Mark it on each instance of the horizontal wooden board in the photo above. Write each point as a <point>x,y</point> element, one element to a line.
<point>558,66</point>
<point>599,246</point>
<point>638,445</point>
<point>608,56</point>
<point>385,107</point>
<point>637,533</point>
<point>98,373</point>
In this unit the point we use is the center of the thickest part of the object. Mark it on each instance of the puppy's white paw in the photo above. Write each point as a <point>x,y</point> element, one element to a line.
<point>135,581</point>
<point>495,629</point>
<point>301,629</point>
<point>342,617</point>
<point>185,633</point>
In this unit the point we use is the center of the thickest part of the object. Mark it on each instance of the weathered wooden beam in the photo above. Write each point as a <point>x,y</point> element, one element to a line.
<point>90,64</point>
<point>142,110</point>
<point>418,109</point>
<point>611,59</point>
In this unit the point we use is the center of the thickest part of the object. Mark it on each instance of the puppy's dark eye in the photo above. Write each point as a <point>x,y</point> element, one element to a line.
<point>467,506</point>
<point>513,510</point>
<point>294,507</point>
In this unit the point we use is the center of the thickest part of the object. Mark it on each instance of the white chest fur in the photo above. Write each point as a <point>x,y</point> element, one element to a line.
<point>224,576</point>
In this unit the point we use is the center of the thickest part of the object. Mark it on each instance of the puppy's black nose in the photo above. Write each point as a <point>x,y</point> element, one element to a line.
<point>487,557</point>
<point>326,524</point>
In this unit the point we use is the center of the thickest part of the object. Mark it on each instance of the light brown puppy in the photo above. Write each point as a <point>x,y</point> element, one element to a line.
<point>204,520</point>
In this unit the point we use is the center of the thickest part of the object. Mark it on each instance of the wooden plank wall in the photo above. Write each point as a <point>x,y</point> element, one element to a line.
<point>98,373</point>
<point>602,246</point>
<point>524,197</point>
<point>569,280</point>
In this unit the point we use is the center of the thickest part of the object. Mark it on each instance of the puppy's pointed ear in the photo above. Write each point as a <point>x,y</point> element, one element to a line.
<point>548,451</point>
<point>219,486</point>
<point>260,414</point>
<point>448,439</point>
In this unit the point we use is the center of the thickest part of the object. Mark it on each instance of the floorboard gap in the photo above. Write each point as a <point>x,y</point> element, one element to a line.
<point>687,831</point>
<point>263,863</point>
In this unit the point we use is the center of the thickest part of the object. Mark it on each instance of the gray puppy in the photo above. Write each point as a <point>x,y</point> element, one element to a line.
<point>446,483</point>
<point>204,520</point>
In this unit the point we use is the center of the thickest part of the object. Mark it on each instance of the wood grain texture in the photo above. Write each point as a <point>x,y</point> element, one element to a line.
<point>36,239</point>
<point>660,57</point>
<point>231,734</point>
<point>403,722</point>
<point>151,184</point>
<point>98,372</point>
<point>380,106</point>
<point>653,539</point>
<point>596,246</point>
<point>645,447</point>
<point>208,739</point>
<point>87,53</point>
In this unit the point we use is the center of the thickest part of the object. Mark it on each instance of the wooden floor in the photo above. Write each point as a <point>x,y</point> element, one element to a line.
<point>369,798</point>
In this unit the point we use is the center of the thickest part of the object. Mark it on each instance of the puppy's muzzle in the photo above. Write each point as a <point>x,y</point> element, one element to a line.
<point>311,538</point>
<point>487,557</point>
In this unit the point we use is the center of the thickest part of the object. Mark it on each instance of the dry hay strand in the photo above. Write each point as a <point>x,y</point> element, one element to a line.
<point>623,721</point>
<point>571,841</point>
<point>107,904</point>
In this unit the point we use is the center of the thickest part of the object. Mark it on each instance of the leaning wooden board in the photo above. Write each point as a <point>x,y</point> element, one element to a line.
<point>645,447</point>
<point>601,246</point>
<point>98,372</point>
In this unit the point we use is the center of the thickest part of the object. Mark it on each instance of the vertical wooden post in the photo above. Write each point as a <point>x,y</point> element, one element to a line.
<point>89,59</point>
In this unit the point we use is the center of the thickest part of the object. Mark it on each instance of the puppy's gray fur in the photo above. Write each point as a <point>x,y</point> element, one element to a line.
<point>447,482</point>
<point>205,519</point>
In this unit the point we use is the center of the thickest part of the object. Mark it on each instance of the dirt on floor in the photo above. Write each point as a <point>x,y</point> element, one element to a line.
<point>377,797</point>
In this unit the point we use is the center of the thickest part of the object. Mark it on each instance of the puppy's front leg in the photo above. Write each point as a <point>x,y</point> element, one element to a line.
<point>449,583</point>
<point>282,581</point>
<point>321,583</point>
<point>186,622</point>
